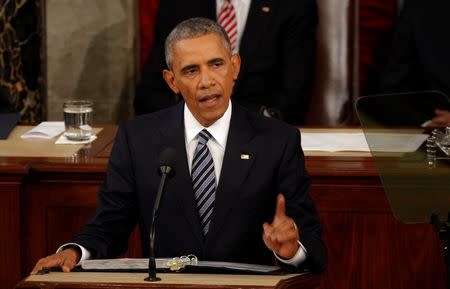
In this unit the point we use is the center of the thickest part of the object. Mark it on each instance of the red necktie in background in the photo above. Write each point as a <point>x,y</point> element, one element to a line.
<point>228,20</point>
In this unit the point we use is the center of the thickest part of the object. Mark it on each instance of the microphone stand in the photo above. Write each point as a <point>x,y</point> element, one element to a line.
<point>165,171</point>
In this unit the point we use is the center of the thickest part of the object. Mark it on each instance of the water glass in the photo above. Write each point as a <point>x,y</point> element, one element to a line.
<point>78,119</point>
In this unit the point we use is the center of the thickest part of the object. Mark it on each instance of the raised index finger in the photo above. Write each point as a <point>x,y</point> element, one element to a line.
<point>281,206</point>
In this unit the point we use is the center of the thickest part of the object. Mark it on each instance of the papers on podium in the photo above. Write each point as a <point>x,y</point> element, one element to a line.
<point>45,130</point>
<point>141,265</point>
<point>393,142</point>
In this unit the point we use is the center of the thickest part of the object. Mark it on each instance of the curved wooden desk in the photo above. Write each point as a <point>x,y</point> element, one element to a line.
<point>44,201</point>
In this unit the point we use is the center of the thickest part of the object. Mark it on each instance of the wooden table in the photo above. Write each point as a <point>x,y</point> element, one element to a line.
<point>44,201</point>
<point>87,280</point>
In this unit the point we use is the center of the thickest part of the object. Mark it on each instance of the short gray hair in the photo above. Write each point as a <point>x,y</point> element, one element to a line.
<point>191,28</point>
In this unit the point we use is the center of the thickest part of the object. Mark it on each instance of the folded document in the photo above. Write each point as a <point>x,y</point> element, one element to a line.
<point>45,130</point>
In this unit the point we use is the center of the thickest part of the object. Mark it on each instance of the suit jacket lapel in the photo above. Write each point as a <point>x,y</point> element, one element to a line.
<point>259,16</point>
<point>235,168</point>
<point>181,185</point>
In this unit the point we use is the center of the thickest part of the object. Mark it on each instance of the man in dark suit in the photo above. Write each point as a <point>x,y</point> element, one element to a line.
<point>224,201</point>
<point>420,57</point>
<point>277,47</point>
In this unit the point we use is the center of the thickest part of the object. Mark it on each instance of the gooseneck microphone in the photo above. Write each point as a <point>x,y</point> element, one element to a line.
<point>167,161</point>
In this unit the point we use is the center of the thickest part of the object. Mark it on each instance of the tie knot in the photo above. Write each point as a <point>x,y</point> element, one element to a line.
<point>204,136</point>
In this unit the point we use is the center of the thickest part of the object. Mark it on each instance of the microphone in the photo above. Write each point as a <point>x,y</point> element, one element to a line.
<point>167,161</point>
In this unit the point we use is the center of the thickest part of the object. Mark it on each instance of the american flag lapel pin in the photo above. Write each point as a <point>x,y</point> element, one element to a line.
<point>245,157</point>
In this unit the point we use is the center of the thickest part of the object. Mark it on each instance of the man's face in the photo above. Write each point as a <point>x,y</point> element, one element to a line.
<point>204,73</point>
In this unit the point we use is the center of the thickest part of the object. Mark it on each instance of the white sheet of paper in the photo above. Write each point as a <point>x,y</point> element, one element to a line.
<point>45,130</point>
<point>334,142</point>
<point>380,142</point>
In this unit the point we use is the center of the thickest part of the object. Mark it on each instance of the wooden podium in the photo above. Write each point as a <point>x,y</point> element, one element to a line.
<point>45,199</point>
<point>96,280</point>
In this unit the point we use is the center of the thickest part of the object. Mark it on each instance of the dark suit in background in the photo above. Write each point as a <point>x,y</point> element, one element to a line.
<point>277,51</point>
<point>245,197</point>
<point>420,58</point>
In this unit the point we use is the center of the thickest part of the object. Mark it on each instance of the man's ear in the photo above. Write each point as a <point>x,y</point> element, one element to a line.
<point>169,77</point>
<point>236,64</point>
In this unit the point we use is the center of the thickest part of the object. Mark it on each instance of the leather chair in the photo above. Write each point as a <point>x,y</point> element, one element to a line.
<point>336,74</point>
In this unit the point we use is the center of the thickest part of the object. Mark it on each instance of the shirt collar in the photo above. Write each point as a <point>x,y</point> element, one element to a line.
<point>218,130</point>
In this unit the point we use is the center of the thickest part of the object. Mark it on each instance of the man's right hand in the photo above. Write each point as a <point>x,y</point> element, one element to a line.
<point>66,260</point>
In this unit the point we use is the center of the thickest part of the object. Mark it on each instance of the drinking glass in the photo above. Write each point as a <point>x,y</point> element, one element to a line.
<point>78,119</point>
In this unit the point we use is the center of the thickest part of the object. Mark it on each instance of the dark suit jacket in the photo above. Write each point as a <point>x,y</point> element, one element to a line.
<point>245,196</point>
<point>277,50</point>
<point>420,57</point>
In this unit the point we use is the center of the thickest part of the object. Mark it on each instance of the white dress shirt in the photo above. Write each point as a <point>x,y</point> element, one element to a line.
<point>241,8</point>
<point>216,145</point>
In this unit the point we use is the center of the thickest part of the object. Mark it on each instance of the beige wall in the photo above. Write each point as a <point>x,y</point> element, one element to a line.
<point>91,53</point>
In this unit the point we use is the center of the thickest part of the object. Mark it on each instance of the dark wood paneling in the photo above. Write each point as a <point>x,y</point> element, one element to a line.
<point>39,198</point>
<point>10,191</point>
<point>367,246</point>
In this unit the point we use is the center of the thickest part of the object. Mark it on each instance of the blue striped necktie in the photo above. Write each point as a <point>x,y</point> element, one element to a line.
<point>204,180</point>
